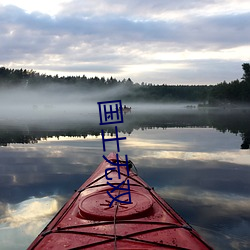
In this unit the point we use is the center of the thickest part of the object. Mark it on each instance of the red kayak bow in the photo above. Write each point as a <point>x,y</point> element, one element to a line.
<point>90,220</point>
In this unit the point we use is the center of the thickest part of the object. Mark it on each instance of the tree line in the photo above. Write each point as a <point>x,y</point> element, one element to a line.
<point>236,91</point>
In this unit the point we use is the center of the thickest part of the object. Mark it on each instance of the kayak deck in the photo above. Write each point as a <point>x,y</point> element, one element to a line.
<point>87,221</point>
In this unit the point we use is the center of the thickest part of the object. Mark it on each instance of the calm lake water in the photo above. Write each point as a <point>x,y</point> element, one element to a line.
<point>197,160</point>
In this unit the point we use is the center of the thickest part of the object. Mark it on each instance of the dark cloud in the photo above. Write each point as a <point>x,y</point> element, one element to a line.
<point>224,30</point>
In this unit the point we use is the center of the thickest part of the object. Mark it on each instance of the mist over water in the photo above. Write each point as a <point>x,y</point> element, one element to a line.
<point>55,102</point>
<point>61,102</point>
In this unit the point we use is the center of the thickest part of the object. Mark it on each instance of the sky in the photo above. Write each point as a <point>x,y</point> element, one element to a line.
<point>153,41</point>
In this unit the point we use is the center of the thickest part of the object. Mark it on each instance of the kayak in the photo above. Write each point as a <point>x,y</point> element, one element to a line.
<point>139,219</point>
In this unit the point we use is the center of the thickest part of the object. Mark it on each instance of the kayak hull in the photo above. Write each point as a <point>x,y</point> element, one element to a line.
<point>89,221</point>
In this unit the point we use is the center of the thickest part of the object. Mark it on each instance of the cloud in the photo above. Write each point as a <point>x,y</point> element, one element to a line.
<point>202,31</point>
<point>147,9</point>
<point>125,40</point>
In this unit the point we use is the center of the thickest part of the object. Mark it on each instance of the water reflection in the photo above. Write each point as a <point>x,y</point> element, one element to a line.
<point>193,161</point>
<point>234,121</point>
<point>29,210</point>
<point>19,222</point>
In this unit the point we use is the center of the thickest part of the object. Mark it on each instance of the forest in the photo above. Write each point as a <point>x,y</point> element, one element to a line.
<point>224,93</point>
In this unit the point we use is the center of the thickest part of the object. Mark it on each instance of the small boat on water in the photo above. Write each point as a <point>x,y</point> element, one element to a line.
<point>125,109</point>
<point>91,220</point>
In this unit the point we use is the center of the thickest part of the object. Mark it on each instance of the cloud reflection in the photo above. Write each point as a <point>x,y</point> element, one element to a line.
<point>222,156</point>
<point>29,211</point>
<point>228,203</point>
<point>225,216</point>
<point>22,222</point>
